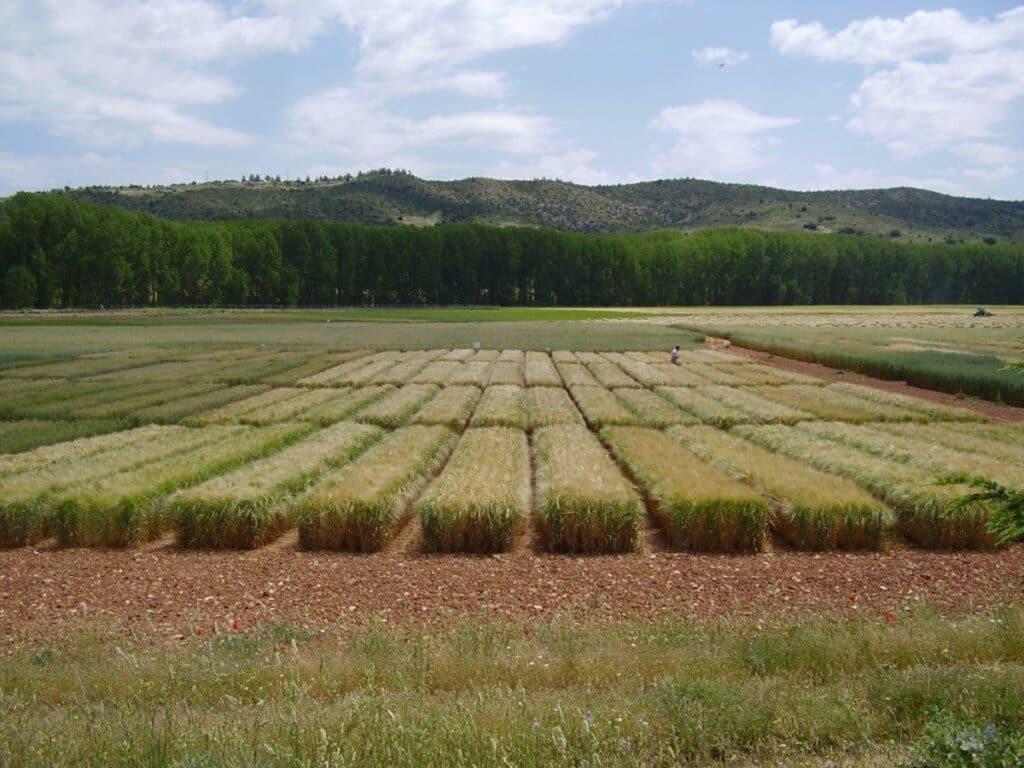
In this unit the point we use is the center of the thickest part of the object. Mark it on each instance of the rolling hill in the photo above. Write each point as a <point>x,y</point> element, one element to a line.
<point>395,197</point>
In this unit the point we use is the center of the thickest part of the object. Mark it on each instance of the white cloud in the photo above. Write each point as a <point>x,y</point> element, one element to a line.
<point>576,165</point>
<point>716,138</point>
<point>827,176</point>
<point>989,154</point>
<point>888,41</point>
<point>990,174</point>
<point>28,172</point>
<point>716,57</point>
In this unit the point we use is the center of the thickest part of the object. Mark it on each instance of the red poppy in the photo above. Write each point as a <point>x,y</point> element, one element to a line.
<point>889,618</point>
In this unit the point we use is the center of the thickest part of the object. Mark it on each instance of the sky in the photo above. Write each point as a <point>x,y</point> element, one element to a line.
<point>788,93</point>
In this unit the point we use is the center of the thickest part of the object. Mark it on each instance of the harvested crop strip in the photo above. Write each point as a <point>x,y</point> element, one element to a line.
<point>452,407</point>
<point>611,376</point>
<point>652,410</point>
<point>506,372</point>
<point>820,511</point>
<point>834,405</point>
<point>438,372</point>
<point>478,502</point>
<point>584,504</point>
<point>923,508</point>
<point>551,405</point>
<point>396,407</point>
<point>125,509</point>
<point>601,408</point>
<point>501,406</point>
<point>933,410</point>
<point>473,373</point>
<point>344,404</point>
<point>698,506</point>
<point>706,409</point>
<point>246,507</point>
<point>761,410</point>
<point>361,506</point>
<point>540,371</point>
<point>576,375</point>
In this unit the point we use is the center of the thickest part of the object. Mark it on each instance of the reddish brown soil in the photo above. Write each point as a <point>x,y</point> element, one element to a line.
<point>165,592</point>
<point>984,407</point>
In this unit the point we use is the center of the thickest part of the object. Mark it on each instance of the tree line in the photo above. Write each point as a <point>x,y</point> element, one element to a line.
<point>56,252</point>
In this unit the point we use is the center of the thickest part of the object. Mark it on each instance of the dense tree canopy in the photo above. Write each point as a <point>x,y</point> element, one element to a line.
<point>56,252</point>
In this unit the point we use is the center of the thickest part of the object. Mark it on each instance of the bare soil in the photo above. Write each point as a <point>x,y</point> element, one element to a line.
<point>162,591</point>
<point>992,410</point>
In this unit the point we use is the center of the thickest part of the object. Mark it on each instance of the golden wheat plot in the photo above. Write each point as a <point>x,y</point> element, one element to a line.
<point>576,375</point>
<point>185,407</point>
<point>375,367</point>
<point>333,376</point>
<point>540,371</point>
<point>601,408</point>
<point>953,435</point>
<point>923,509</point>
<point>611,376</point>
<point>678,375</point>
<point>587,358</point>
<point>237,410</point>
<point>652,410</point>
<point>406,368</point>
<point>641,371</point>
<point>438,372</point>
<point>458,354</point>
<point>452,407</point>
<point>361,506</point>
<point>833,405</point>
<point>564,356</point>
<point>246,507</point>
<point>511,356</point>
<point>697,505</point>
<point>473,373</point>
<point>820,511</point>
<point>932,410</point>
<point>761,410</point>
<point>584,504</point>
<point>49,457</point>
<point>398,406</point>
<point>551,405</point>
<point>503,405</point>
<point>291,409</point>
<point>486,356</point>
<point>763,374</point>
<point>506,372</point>
<point>706,409</point>
<point>707,356</point>
<point>478,502</point>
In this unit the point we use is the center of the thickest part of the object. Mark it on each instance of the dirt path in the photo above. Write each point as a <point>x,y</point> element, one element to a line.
<point>166,592</point>
<point>984,407</point>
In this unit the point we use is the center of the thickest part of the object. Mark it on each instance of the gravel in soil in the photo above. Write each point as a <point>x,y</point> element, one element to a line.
<point>162,591</point>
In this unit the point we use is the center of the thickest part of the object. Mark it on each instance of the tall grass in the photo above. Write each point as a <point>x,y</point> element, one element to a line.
<point>361,506</point>
<point>246,507</point>
<point>584,504</point>
<point>819,511</point>
<point>478,502</point>
<point>698,506</point>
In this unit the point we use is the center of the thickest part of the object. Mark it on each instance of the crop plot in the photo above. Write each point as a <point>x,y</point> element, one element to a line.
<point>601,408</point>
<point>398,406</point>
<point>503,405</point>
<point>550,405</point>
<point>818,511</point>
<point>832,404</point>
<point>506,372</point>
<point>584,503</point>
<point>611,376</point>
<point>540,371</point>
<point>479,501</point>
<point>452,407</point>
<point>344,403</point>
<point>576,375</point>
<point>760,409</point>
<point>706,409</point>
<point>476,373</point>
<point>438,372</point>
<point>361,506</point>
<point>928,409</point>
<point>652,410</point>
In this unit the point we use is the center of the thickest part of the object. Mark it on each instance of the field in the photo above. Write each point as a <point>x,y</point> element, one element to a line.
<point>393,510</point>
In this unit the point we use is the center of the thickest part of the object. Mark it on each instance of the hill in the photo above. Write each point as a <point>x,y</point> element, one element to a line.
<point>395,197</point>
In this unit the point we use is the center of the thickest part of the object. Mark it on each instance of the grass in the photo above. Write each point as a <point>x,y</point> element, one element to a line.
<point>629,693</point>
<point>601,407</point>
<point>550,405</point>
<point>453,407</point>
<point>699,507</point>
<point>126,508</point>
<point>398,406</point>
<point>923,508</point>
<point>246,508</point>
<point>478,502</point>
<point>584,504</point>
<point>818,512</point>
<point>503,405</point>
<point>361,506</point>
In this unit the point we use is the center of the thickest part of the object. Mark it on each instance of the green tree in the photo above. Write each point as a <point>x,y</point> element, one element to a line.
<point>19,290</point>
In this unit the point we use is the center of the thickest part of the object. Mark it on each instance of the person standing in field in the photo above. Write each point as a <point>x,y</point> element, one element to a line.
<point>675,355</point>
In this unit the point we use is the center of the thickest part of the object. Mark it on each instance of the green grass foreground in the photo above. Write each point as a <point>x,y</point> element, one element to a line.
<point>565,693</point>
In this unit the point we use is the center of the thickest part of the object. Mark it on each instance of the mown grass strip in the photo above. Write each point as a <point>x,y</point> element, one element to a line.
<point>478,502</point>
<point>452,407</point>
<point>246,507</point>
<point>362,505</point>
<point>819,511</point>
<point>698,506</point>
<point>652,410</point>
<point>125,509</point>
<point>601,408</point>
<point>922,508</point>
<point>584,503</point>
<point>398,406</point>
<point>503,405</point>
<point>550,405</point>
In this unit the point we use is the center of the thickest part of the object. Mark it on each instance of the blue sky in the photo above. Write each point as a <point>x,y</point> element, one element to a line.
<point>794,94</point>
